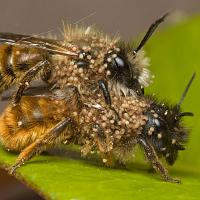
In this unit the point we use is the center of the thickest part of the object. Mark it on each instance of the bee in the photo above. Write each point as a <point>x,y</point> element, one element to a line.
<point>40,122</point>
<point>85,58</point>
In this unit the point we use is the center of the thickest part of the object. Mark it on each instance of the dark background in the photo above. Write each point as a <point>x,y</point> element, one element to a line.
<point>126,17</point>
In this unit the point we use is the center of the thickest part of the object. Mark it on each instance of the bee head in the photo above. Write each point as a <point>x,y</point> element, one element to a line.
<point>124,71</point>
<point>164,128</point>
<point>127,66</point>
<point>165,131</point>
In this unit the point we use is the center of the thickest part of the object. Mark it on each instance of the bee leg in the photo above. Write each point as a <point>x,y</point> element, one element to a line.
<point>41,144</point>
<point>46,73</point>
<point>107,159</point>
<point>100,137</point>
<point>103,145</point>
<point>103,86</point>
<point>153,159</point>
<point>31,73</point>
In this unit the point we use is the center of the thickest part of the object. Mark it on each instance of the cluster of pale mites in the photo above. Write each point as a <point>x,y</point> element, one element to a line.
<point>128,124</point>
<point>68,73</point>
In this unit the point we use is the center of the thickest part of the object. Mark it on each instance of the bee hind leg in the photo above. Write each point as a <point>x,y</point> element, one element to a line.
<point>41,144</point>
<point>153,159</point>
<point>107,159</point>
<point>103,145</point>
<point>31,73</point>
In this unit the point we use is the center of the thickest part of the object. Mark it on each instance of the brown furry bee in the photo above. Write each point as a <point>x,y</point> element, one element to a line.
<point>85,58</point>
<point>39,122</point>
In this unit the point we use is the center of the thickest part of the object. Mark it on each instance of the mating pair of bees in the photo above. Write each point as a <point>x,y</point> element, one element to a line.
<point>95,99</point>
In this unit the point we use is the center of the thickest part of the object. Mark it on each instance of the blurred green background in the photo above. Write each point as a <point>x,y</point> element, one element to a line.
<point>174,59</point>
<point>175,55</point>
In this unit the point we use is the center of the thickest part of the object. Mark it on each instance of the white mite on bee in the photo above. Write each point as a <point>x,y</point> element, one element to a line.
<point>65,142</point>
<point>89,57</point>
<point>173,141</point>
<point>92,61</point>
<point>163,149</point>
<point>100,70</point>
<point>114,55</point>
<point>159,135</point>
<point>167,155</point>
<point>19,123</point>
<point>151,130</point>
<point>105,160</point>
<point>108,73</point>
<point>109,59</point>
<point>155,115</point>
<point>75,114</point>
<point>74,48</point>
<point>81,56</point>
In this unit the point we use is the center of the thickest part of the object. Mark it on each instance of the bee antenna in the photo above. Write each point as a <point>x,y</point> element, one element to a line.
<point>186,91</point>
<point>150,31</point>
<point>183,114</point>
<point>180,147</point>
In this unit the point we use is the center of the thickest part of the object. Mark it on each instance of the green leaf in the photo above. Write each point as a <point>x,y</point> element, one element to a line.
<point>175,55</point>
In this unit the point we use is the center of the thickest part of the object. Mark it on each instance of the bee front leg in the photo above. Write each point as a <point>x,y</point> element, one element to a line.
<point>41,144</point>
<point>103,86</point>
<point>31,73</point>
<point>103,145</point>
<point>153,159</point>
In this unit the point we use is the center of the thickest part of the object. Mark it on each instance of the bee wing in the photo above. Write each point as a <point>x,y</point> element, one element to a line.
<point>50,45</point>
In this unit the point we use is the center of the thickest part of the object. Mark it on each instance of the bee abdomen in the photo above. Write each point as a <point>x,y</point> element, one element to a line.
<point>22,125</point>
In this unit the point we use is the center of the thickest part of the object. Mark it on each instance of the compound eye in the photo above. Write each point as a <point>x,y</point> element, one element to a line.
<point>119,62</point>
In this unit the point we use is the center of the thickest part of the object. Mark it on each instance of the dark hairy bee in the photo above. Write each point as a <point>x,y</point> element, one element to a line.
<point>40,122</point>
<point>85,58</point>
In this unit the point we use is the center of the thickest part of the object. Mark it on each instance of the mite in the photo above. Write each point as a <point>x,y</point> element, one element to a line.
<point>85,58</point>
<point>40,122</point>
